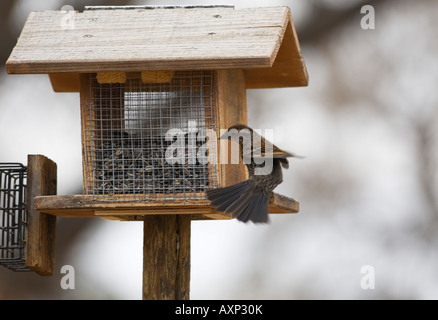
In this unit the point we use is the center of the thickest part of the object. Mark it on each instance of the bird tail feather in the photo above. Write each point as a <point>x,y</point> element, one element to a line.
<point>242,201</point>
<point>222,198</point>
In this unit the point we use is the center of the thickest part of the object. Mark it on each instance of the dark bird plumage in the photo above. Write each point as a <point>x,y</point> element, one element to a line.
<point>249,200</point>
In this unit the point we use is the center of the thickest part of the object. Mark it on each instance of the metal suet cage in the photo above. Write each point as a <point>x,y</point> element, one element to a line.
<point>13,216</point>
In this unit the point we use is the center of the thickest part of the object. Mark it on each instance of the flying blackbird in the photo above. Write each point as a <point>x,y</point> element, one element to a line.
<point>249,200</point>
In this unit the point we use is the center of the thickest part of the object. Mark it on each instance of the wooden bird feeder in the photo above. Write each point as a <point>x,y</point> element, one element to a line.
<point>148,76</point>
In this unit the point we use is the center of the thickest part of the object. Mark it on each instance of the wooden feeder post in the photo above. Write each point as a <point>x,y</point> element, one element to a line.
<point>40,235</point>
<point>166,276</point>
<point>168,69</point>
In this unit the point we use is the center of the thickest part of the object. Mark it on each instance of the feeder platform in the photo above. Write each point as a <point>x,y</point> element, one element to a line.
<point>81,206</point>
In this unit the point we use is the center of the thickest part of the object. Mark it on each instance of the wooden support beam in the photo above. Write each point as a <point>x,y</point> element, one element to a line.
<point>231,106</point>
<point>65,81</point>
<point>40,233</point>
<point>166,257</point>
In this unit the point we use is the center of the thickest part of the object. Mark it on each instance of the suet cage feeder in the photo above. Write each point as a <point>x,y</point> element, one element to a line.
<point>26,235</point>
<point>13,215</point>
<point>142,72</point>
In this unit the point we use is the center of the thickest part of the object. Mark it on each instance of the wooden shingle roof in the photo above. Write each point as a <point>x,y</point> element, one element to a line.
<point>262,41</point>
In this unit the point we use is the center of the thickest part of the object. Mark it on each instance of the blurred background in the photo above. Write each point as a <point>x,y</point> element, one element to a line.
<point>368,187</point>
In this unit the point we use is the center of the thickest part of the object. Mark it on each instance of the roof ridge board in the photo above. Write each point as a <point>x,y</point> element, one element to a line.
<point>133,7</point>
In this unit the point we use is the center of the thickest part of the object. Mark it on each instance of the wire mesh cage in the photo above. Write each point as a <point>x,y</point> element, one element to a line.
<point>149,139</point>
<point>13,215</point>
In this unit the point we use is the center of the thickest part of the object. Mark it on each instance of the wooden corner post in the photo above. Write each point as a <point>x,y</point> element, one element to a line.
<point>166,257</point>
<point>40,236</point>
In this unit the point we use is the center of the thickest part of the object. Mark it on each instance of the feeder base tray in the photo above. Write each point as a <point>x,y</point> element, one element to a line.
<point>79,206</point>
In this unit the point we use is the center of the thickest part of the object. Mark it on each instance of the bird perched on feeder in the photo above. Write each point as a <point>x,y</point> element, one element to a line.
<point>249,200</point>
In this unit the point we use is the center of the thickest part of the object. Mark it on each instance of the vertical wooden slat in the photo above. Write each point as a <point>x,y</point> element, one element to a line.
<point>231,106</point>
<point>40,235</point>
<point>166,257</point>
<point>87,125</point>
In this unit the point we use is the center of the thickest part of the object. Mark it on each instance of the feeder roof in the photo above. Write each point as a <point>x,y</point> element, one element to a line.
<point>262,41</point>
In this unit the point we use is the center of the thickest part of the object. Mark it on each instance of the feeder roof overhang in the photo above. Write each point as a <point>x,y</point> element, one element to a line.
<point>262,41</point>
